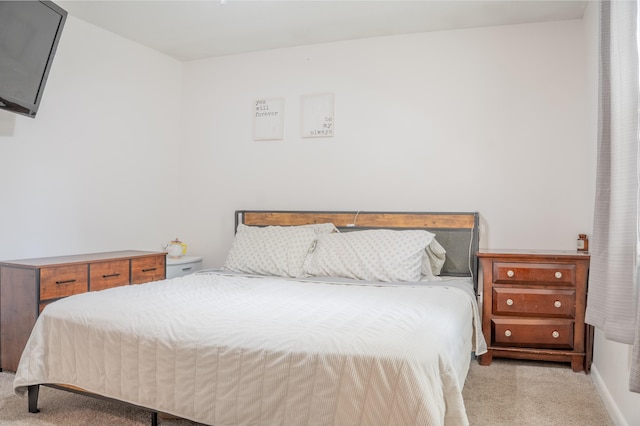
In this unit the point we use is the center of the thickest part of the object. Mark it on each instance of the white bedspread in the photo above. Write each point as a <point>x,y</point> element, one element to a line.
<point>237,350</point>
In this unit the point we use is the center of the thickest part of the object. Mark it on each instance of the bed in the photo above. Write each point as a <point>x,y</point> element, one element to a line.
<point>316,318</point>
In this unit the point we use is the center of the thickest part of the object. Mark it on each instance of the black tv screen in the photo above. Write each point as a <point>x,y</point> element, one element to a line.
<point>29,35</point>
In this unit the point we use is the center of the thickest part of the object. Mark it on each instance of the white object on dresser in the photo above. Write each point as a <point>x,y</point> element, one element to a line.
<point>178,267</point>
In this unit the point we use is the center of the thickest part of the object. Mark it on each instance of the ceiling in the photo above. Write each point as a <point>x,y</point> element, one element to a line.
<point>189,30</point>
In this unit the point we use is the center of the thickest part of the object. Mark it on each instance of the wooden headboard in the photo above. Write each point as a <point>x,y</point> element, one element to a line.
<point>456,232</point>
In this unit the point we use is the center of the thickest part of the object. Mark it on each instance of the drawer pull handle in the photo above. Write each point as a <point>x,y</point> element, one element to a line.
<point>558,275</point>
<point>111,275</point>
<point>507,333</point>
<point>509,302</point>
<point>188,268</point>
<point>510,273</point>
<point>555,334</point>
<point>149,269</point>
<point>557,304</point>
<point>65,282</point>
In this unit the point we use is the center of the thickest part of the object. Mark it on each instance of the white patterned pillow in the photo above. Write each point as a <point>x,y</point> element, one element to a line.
<point>433,259</point>
<point>271,250</point>
<point>372,255</point>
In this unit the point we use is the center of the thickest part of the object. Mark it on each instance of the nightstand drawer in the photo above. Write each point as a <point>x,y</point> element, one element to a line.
<point>183,266</point>
<point>534,302</point>
<point>534,273</point>
<point>109,274</point>
<point>63,281</point>
<point>537,333</point>
<point>147,269</point>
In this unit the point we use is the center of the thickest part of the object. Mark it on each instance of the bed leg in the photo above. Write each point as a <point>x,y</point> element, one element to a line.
<point>32,392</point>
<point>154,418</point>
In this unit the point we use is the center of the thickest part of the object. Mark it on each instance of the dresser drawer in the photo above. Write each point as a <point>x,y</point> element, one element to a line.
<point>538,333</point>
<point>62,281</point>
<point>43,305</point>
<point>103,275</point>
<point>534,273</point>
<point>147,269</point>
<point>534,302</point>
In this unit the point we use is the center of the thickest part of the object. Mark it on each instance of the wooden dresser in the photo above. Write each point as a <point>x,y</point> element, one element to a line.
<point>534,305</point>
<point>26,286</point>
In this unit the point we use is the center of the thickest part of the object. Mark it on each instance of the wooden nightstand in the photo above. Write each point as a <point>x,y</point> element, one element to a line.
<point>534,305</point>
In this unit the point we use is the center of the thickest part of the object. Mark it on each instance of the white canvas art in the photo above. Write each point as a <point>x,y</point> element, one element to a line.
<point>268,119</point>
<point>317,116</point>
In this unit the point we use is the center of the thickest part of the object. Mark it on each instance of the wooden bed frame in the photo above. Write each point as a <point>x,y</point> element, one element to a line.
<point>457,232</point>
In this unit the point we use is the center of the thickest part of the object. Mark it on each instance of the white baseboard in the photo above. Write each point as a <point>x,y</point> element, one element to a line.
<point>609,403</point>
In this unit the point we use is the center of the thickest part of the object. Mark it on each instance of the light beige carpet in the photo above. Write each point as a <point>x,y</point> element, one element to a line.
<point>530,393</point>
<point>506,393</point>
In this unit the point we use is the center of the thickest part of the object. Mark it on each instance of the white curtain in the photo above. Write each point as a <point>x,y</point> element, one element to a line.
<point>614,294</point>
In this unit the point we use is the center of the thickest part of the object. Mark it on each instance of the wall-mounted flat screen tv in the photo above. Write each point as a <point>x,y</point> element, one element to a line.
<point>29,35</point>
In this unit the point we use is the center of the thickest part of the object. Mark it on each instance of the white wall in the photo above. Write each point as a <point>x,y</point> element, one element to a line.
<point>611,360</point>
<point>489,119</point>
<point>89,173</point>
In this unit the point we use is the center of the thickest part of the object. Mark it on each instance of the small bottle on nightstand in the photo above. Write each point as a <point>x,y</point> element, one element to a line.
<point>583,242</point>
